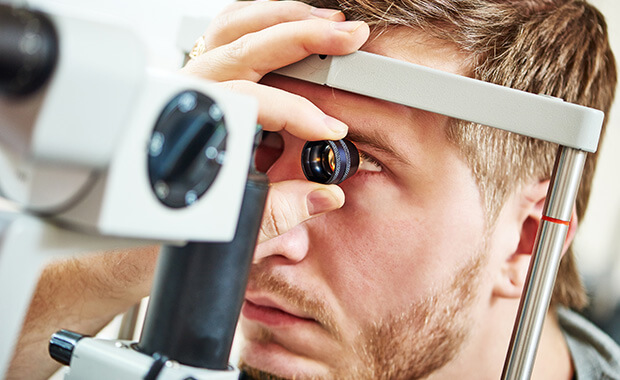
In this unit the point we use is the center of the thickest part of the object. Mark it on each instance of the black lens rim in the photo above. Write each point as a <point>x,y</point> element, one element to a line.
<point>315,167</point>
<point>187,176</point>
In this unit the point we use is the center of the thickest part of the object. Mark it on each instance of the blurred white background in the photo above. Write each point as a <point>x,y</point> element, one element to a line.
<point>598,242</point>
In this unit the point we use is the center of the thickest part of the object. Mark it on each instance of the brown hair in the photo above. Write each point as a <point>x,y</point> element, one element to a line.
<point>553,47</point>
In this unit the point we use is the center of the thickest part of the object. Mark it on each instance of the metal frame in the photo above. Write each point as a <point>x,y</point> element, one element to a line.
<point>575,128</point>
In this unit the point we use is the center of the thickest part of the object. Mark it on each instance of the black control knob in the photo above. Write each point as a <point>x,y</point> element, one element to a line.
<point>62,344</point>
<point>187,149</point>
<point>29,50</point>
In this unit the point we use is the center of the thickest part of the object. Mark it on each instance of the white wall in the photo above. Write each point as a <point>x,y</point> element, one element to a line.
<point>157,21</point>
<point>598,241</point>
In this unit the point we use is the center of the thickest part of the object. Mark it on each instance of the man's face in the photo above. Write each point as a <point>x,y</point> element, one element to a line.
<point>386,286</point>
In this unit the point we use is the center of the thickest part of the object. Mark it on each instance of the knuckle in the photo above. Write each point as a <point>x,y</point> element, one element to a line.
<point>296,7</point>
<point>237,49</point>
<point>235,85</point>
<point>237,54</point>
<point>232,7</point>
<point>285,125</point>
<point>277,218</point>
<point>268,226</point>
<point>271,226</point>
<point>306,107</point>
<point>280,221</point>
<point>240,52</point>
<point>221,23</point>
<point>229,85</point>
<point>264,230</point>
<point>303,103</point>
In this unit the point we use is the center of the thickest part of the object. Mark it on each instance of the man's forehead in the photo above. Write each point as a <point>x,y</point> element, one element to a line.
<point>400,43</point>
<point>415,46</point>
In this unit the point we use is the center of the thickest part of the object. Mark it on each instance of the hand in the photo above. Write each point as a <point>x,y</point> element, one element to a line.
<point>251,39</point>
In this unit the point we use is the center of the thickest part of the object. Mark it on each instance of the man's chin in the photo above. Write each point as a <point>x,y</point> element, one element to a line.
<point>249,372</point>
<point>268,360</point>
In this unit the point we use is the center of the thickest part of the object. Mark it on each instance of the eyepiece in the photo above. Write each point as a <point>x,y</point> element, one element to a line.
<point>29,49</point>
<point>329,162</point>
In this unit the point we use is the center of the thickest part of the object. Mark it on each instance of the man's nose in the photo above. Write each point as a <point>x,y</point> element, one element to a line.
<point>289,248</point>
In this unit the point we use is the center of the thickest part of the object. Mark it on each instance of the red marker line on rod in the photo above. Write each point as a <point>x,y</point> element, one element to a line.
<point>554,220</point>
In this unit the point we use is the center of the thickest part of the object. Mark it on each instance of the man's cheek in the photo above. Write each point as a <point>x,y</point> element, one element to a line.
<point>363,257</point>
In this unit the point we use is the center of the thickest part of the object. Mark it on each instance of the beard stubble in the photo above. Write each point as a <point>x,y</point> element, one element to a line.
<point>410,344</point>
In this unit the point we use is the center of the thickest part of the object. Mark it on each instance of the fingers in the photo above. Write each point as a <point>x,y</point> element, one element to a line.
<point>293,202</point>
<point>246,17</point>
<point>280,110</point>
<point>252,39</point>
<point>253,55</point>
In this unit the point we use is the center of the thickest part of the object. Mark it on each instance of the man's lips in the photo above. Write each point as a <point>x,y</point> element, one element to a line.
<point>271,314</point>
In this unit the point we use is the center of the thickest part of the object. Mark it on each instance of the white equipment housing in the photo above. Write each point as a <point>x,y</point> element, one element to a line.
<point>73,157</point>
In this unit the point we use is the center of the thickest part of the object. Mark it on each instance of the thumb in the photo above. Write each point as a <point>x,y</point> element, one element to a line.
<point>292,202</point>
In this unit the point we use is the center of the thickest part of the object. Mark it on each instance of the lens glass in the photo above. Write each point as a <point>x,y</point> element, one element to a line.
<point>331,160</point>
<point>328,160</point>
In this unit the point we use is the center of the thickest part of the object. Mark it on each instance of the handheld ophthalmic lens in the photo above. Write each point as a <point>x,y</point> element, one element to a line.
<point>329,162</point>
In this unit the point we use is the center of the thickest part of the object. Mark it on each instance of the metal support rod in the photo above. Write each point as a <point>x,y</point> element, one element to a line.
<point>544,264</point>
<point>128,323</point>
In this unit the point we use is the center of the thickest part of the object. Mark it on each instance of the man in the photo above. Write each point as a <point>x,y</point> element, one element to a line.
<point>419,274</point>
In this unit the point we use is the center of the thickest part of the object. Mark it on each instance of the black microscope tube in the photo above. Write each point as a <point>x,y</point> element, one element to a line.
<point>29,50</point>
<point>199,289</point>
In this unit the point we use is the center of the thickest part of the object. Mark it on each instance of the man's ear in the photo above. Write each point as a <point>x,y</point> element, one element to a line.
<point>515,267</point>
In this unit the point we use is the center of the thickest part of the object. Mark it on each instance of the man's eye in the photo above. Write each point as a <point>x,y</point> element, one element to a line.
<point>369,163</point>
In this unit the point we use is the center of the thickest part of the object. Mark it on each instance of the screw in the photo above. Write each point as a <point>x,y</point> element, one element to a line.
<point>161,189</point>
<point>187,102</point>
<point>211,152</point>
<point>190,197</point>
<point>215,112</point>
<point>157,144</point>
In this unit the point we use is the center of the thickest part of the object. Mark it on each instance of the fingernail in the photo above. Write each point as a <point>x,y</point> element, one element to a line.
<point>322,200</point>
<point>336,126</point>
<point>324,12</point>
<point>347,26</point>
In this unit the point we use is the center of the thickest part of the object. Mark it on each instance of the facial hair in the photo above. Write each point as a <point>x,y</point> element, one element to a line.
<point>410,344</point>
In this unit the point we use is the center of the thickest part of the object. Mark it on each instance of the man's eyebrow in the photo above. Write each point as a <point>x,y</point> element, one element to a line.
<point>379,142</point>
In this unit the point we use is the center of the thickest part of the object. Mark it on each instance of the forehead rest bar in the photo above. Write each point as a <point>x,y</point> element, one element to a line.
<point>539,116</point>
